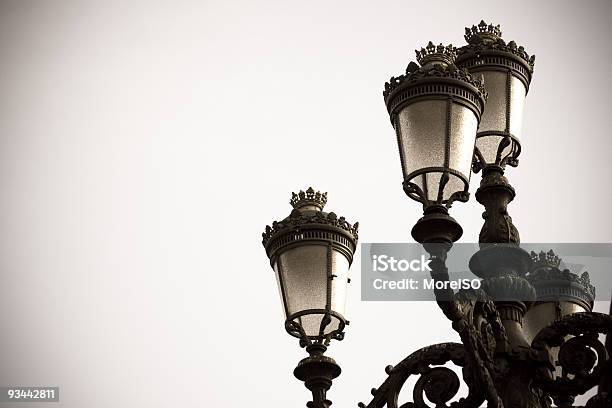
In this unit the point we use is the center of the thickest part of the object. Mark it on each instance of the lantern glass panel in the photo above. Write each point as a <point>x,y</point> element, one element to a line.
<point>340,269</point>
<point>423,129</point>
<point>422,135</point>
<point>303,275</point>
<point>488,146</point>
<point>518,93</point>
<point>303,278</point>
<point>494,115</point>
<point>464,124</point>
<point>429,183</point>
<point>544,313</point>
<point>311,323</point>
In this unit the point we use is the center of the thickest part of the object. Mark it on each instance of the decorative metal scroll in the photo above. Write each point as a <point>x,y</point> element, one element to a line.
<point>294,328</point>
<point>478,323</point>
<point>583,359</point>
<point>437,384</point>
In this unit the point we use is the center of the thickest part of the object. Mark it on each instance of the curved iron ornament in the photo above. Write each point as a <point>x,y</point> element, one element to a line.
<point>510,158</point>
<point>474,316</point>
<point>583,359</point>
<point>438,384</point>
<point>294,328</point>
<point>499,364</point>
<point>415,192</point>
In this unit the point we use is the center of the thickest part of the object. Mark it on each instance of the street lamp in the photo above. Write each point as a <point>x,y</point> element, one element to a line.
<point>507,71</point>
<point>559,292</point>
<point>311,252</point>
<point>528,336</point>
<point>435,109</point>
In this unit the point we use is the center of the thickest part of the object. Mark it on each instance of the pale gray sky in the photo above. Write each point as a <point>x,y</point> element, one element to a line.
<point>144,146</point>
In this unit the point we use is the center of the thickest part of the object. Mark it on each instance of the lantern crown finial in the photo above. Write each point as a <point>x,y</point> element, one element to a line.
<point>308,213</point>
<point>308,198</point>
<point>549,259</point>
<point>487,38</point>
<point>482,32</point>
<point>554,284</point>
<point>436,53</point>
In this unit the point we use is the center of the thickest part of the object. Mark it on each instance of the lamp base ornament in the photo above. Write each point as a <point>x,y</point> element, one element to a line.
<point>436,226</point>
<point>495,193</point>
<point>317,372</point>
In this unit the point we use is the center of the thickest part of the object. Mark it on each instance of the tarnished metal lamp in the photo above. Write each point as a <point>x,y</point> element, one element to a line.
<point>560,292</point>
<point>311,252</point>
<point>523,344</point>
<point>435,109</point>
<point>507,71</point>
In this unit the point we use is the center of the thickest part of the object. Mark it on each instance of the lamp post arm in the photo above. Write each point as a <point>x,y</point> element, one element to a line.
<point>445,296</point>
<point>437,231</point>
<point>436,382</point>
<point>464,309</point>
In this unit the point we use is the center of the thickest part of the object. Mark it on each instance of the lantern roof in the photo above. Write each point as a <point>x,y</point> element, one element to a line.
<point>486,39</point>
<point>308,215</point>
<point>436,65</point>
<point>554,284</point>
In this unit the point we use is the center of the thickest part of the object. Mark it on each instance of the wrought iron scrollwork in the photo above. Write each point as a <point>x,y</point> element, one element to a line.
<point>476,319</point>
<point>582,357</point>
<point>481,331</point>
<point>436,384</point>
<point>294,328</point>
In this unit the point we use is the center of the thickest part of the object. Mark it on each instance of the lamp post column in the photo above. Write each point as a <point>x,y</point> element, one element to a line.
<point>507,70</point>
<point>502,265</point>
<point>317,371</point>
<point>435,108</point>
<point>311,252</point>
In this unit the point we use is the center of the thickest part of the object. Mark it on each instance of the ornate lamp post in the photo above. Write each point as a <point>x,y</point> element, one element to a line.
<point>507,71</point>
<point>311,252</point>
<point>529,336</point>
<point>435,109</point>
